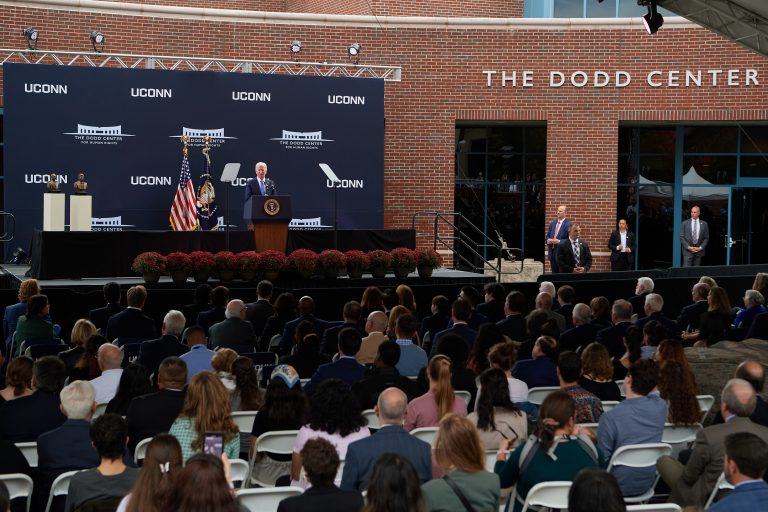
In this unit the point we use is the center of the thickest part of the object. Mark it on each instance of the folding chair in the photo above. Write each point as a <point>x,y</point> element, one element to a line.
<point>679,436</point>
<point>655,507</point>
<point>100,410</point>
<point>372,419</point>
<point>639,456</point>
<point>721,485</point>
<point>705,404</point>
<point>265,500</point>
<point>620,383</point>
<point>464,395</point>
<point>38,351</point>
<point>244,420</point>
<point>29,451</point>
<point>537,395</point>
<point>549,495</point>
<point>130,353</point>
<point>609,404</point>
<point>60,487</point>
<point>239,471</point>
<point>490,460</point>
<point>427,434</point>
<point>141,450</point>
<point>278,442</point>
<point>19,486</point>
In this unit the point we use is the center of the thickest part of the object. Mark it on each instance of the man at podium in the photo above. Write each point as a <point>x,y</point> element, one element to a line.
<point>260,185</point>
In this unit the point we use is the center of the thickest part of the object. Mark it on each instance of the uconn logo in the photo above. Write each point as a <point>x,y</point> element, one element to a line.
<point>45,178</point>
<point>45,88</point>
<point>251,96</point>
<point>146,92</point>
<point>338,99</point>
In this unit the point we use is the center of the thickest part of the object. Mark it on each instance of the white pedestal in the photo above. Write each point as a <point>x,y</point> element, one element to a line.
<point>80,208</point>
<point>53,211</point>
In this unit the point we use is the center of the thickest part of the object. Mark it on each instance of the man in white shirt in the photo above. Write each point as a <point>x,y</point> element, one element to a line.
<point>110,358</point>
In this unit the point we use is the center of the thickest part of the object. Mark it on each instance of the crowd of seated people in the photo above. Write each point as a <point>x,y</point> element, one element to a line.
<point>188,382</point>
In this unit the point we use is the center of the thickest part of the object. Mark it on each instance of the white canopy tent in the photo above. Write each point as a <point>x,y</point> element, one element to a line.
<point>694,187</point>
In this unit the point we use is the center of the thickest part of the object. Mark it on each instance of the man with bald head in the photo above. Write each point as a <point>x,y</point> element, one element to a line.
<point>306,312</point>
<point>544,302</point>
<point>390,438</point>
<point>110,358</point>
<point>693,483</point>
<point>152,352</point>
<point>234,331</point>
<point>754,373</point>
<point>375,327</point>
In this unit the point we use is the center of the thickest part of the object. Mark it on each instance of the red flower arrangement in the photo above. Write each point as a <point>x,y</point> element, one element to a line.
<point>202,262</point>
<point>428,258</point>
<point>272,261</point>
<point>247,261</point>
<point>225,260</point>
<point>379,258</point>
<point>149,263</point>
<point>403,257</point>
<point>332,259</point>
<point>178,262</point>
<point>303,261</point>
<point>357,260</point>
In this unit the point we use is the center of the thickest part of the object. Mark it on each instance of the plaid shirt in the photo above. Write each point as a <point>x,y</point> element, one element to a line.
<point>183,429</point>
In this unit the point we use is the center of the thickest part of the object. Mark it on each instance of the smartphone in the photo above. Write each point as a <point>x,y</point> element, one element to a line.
<point>213,443</point>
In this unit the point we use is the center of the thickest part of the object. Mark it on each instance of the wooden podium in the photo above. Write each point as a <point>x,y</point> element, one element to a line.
<point>270,216</point>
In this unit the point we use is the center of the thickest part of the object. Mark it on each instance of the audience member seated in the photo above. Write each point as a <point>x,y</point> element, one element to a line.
<point>428,409</point>
<point>222,367</point>
<point>206,409</point>
<point>24,419</point>
<point>390,439</point>
<point>406,299</point>
<point>151,414</point>
<point>583,332</point>
<point>644,287</point>
<point>161,467</point>
<point>438,320</point>
<point>672,350</point>
<point>217,312</point>
<point>100,316</point>
<point>87,367</point>
<point>111,480</point>
<point>346,368</point>
<point>351,315</point>
<point>753,306</point>
<point>5,498</point>
<point>460,455</point>
<point>12,460</point>
<point>502,357</point>
<point>110,358</point>
<point>476,319</point>
<point>745,462</point>
<point>27,289</point>
<point>394,471</point>
<point>754,373</point>
<point>306,357</point>
<point>612,338</point>
<point>488,336</point>
<point>678,389</point>
<point>653,334</point>
<point>537,324</point>
<point>375,326</point>
<point>320,461</point>
<point>493,307</point>
<point>601,311</point>
<point>392,317</point>
<point>557,453</point>
<point>285,408</point>
<point>234,331</point>
<point>597,373</point>
<point>203,484</point>
<point>132,322</point>
<point>247,395</point>
<point>654,304</point>
<point>544,303</point>
<point>637,420</point>
<point>198,358</point>
<point>693,482</point>
<point>285,311</point>
<point>306,312</point>
<point>412,357</point>
<point>334,416</point>
<point>18,379</point>
<point>134,382</point>
<point>81,333</point>
<point>462,378</point>
<point>633,352</point>
<point>496,416</point>
<point>595,490</point>
<point>152,352</point>
<point>371,301</point>
<point>461,310</point>
<point>565,297</point>
<point>714,322</point>
<point>541,370</point>
<point>588,406</point>
<point>258,311</point>
<point>688,319</point>
<point>513,325</point>
<point>34,324</point>
<point>383,375</point>
<point>201,302</point>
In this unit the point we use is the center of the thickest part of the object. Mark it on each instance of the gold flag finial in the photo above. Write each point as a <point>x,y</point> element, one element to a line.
<point>185,141</point>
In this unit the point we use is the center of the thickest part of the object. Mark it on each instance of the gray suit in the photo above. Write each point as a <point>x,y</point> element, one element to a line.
<point>232,333</point>
<point>686,240</point>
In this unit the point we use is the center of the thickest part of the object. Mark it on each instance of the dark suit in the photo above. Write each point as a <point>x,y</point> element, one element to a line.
<point>537,372</point>
<point>578,337</point>
<point>232,332</point>
<point>67,447</point>
<point>375,381</point>
<point>560,235</point>
<point>10,319</point>
<point>749,496</point>
<point>689,316</point>
<point>149,415</point>
<point>346,369</point>
<point>566,311</point>
<point>759,327</point>
<point>190,312</point>
<point>686,240</point>
<point>622,260</point>
<point>252,188</point>
<point>257,313</point>
<point>100,316</point>
<point>433,324</point>
<point>493,310</point>
<point>290,329</point>
<point>638,304</point>
<point>566,260</point>
<point>12,460</point>
<point>330,343</point>
<point>667,322</point>
<point>514,327</point>
<point>612,338</point>
<point>323,499</point>
<point>363,454</point>
<point>152,352</point>
<point>130,323</point>
<point>463,330</point>
<point>206,319</point>
<point>24,419</point>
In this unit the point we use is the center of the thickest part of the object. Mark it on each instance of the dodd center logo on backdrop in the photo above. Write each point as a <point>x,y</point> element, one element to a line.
<point>218,139</point>
<point>301,140</point>
<point>99,135</point>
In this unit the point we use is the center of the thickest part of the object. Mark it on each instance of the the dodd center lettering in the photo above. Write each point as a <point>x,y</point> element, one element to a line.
<point>619,78</point>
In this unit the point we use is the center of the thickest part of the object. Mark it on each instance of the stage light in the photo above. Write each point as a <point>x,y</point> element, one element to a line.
<point>98,40</point>
<point>31,35</point>
<point>653,20</point>
<point>354,52</point>
<point>295,48</point>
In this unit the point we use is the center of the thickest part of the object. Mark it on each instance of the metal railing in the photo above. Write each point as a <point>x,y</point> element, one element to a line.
<point>463,242</point>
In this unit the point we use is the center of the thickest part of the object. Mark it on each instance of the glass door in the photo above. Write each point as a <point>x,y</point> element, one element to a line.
<point>713,202</point>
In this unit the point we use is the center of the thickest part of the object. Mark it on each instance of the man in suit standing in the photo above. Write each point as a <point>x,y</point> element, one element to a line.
<point>694,236</point>
<point>260,185</point>
<point>259,311</point>
<point>132,322</point>
<point>390,438</point>
<point>234,331</point>
<point>744,465</point>
<point>622,246</point>
<point>100,316</point>
<point>558,230</point>
<point>152,352</point>
<point>573,254</point>
<point>346,368</point>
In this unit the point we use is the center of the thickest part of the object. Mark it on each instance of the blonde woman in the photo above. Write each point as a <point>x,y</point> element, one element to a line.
<point>428,409</point>
<point>81,333</point>
<point>27,289</point>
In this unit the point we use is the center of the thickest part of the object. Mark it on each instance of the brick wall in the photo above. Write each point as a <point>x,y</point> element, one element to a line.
<point>443,83</point>
<point>248,5</point>
<point>447,8</point>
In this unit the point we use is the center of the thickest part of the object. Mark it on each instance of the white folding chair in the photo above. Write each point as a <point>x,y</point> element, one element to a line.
<point>678,436</point>
<point>304,382</point>
<point>100,410</point>
<point>141,450</point>
<point>609,404</point>
<point>19,486</point>
<point>464,395</point>
<point>244,420</point>
<point>427,434</point>
<point>639,456</point>
<point>60,487</point>
<point>490,460</point>
<point>267,499</point>
<point>277,442</point>
<point>239,471</point>
<point>721,485</point>
<point>29,451</point>
<point>620,383</point>
<point>590,426</point>
<point>371,417</point>
<point>705,404</point>
<point>537,395</point>
<point>655,507</point>
<point>549,495</point>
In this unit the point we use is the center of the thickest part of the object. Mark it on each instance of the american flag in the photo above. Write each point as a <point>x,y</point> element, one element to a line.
<point>184,207</point>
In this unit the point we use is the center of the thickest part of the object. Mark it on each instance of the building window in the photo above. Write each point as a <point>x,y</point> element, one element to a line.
<point>586,9</point>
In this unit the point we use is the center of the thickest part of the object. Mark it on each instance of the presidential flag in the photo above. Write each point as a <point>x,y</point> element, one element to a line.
<point>184,207</point>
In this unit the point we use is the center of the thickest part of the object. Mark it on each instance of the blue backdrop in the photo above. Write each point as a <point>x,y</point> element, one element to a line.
<point>123,127</point>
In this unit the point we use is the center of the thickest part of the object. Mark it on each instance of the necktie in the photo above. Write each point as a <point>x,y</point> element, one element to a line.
<point>695,231</point>
<point>557,229</point>
<point>263,190</point>
<point>576,252</point>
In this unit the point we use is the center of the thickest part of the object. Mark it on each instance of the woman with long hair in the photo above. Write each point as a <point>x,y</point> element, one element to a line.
<point>428,409</point>
<point>206,409</point>
<point>81,333</point>
<point>161,467</point>
<point>87,367</point>
<point>595,490</point>
<point>679,390</point>
<point>597,373</point>
<point>503,357</point>
<point>334,416</point>
<point>222,365</point>
<point>460,455</point>
<point>35,323</point>
<point>395,313</point>
<point>560,452</point>
<point>27,289</point>
<point>134,381</point>
<point>487,336</point>
<point>672,350</point>
<point>714,322</point>
<point>406,298</point>
<point>761,283</point>
<point>203,484</point>
<point>633,343</point>
<point>371,301</point>
<point>285,311</point>
<point>394,486</point>
<point>247,395</point>
<point>496,416</point>
<point>18,379</point>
